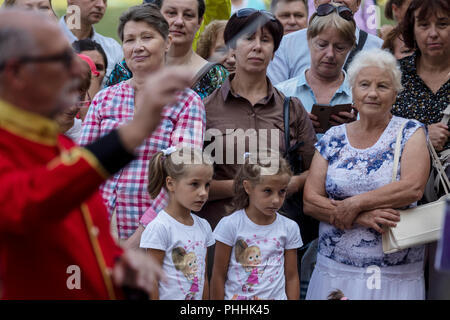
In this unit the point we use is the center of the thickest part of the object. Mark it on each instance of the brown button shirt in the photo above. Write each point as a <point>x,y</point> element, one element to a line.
<point>229,116</point>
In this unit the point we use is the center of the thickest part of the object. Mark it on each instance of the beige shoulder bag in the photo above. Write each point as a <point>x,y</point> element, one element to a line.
<point>421,224</point>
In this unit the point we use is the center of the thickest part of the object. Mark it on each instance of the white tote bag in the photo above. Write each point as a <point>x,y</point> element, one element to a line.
<point>418,225</point>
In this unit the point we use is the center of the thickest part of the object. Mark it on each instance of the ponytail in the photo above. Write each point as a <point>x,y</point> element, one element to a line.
<point>162,166</point>
<point>253,171</point>
<point>157,175</point>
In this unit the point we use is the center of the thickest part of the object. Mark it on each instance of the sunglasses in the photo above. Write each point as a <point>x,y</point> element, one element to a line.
<point>327,8</point>
<point>245,12</point>
<point>65,58</point>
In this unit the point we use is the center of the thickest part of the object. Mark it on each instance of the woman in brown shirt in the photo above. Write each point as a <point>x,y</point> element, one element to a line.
<point>246,113</point>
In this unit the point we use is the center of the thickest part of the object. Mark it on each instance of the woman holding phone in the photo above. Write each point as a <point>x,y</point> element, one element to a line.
<point>331,36</point>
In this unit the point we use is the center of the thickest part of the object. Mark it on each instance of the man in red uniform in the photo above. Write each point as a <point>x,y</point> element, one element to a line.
<point>54,230</point>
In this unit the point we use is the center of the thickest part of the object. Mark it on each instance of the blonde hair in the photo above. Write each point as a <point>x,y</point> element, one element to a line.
<point>253,171</point>
<point>344,27</point>
<point>209,37</point>
<point>173,165</point>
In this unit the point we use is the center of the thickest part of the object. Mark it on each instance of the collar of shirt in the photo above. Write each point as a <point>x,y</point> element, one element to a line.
<point>28,125</point>
<point>343,89</point>
<point>228,92</point>
<point>70,35</point>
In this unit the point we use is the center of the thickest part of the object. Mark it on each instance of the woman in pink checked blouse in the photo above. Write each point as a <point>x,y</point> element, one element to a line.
<point>145,36</point>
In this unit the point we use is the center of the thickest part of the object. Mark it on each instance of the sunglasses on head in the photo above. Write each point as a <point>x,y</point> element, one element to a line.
<point>327,8</point>
<point>245,12</point>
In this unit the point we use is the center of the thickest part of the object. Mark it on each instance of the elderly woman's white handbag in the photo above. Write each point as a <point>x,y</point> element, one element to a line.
<point>418,225</point>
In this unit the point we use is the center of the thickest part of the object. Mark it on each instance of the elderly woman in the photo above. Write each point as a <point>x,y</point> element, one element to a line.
<point>145,36</point>
<point>331,36</point>
<point>45,6</point>
<point>350,190</point>
<point>211,45</point>
<point>426,73</point>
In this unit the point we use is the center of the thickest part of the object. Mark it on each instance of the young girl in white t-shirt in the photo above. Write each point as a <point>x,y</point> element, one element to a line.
<point>256,247</point>
<point>177,238</point>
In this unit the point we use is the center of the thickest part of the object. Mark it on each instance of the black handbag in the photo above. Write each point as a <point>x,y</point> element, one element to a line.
<point>293,204</point>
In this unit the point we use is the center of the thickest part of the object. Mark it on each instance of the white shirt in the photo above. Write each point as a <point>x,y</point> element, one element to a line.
<point>112,48</point>
<point>74,132</point>
<point>293,55</point>
<point>266,243</point>
<point>184,261</point>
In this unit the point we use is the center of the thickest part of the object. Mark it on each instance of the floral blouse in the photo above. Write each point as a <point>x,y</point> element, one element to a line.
<point>354,171</point>
<point>417,101</point>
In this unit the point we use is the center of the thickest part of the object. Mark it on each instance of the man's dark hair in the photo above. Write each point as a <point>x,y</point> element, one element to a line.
<point>388,12</point>
<point>148,13</point>
<point>238,27</point>
<point>90,45</point>
<point>201,6</point>
<point>425,8</point>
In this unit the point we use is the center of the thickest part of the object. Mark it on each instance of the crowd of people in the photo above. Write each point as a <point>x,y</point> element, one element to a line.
<point>193,161</point>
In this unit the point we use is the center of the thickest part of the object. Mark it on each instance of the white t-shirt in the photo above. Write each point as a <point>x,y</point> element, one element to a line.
<point>261,249</point>
<point>184,262</point>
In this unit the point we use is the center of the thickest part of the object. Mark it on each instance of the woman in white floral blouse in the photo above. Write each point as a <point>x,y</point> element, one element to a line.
<point>350,190</point>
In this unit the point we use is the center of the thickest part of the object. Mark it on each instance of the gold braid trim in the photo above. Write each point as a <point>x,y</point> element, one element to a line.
<point>98,252</point>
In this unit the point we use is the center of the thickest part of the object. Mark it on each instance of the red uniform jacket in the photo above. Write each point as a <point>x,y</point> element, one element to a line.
<point>54,230</point>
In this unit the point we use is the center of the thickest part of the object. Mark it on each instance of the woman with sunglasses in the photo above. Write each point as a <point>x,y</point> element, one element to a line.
<point>331,36</point>
<point>293,56</point>
<point>248,107</point>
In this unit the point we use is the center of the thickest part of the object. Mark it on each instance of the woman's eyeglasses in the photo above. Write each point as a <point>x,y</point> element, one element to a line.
<point>245,12</point>
<point>327,8</point>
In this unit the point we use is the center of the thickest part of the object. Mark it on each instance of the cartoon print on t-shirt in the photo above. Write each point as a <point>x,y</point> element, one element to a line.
<point>186,262</point>
<point>250,259</point>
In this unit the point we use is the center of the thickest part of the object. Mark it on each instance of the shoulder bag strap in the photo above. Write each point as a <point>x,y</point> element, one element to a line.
<point>362,40</point>
<point>446,115</point>
<point>438,166</point>
<point>434,157</point>
<point>398,143</point>
<point>287,139</point>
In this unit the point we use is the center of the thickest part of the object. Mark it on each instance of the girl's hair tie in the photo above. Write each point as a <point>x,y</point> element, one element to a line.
<point>169,151</point>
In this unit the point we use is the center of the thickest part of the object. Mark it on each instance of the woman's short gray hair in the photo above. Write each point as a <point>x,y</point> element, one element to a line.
<point>379,58</point>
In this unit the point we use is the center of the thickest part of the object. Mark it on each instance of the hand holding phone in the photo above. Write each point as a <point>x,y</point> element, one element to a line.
<point>329,116</point>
